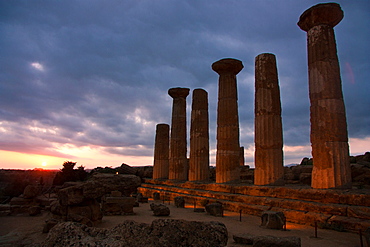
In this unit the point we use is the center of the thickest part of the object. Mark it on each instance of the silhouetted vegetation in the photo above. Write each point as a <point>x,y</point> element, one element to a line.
<point>69,174</point>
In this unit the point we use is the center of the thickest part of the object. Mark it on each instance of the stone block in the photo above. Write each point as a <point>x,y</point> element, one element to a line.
<point>50,223</point>
<point>358,212</point>
<point>160,209</point>
<point>246,239</point>
<point>71,195</point>
<point>341,223</point>
<point>273,220</point>
<point>31,191</point>
<point>271,241</point>
<point>156,196</point>
<point>180,202</point>
<point>115,193</point>
<point>119,205</point>
<point>19,201</point>
<point>215,209</point>
<point>34,210</point>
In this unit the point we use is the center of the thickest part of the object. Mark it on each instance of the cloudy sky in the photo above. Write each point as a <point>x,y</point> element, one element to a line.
<point>87,80</point>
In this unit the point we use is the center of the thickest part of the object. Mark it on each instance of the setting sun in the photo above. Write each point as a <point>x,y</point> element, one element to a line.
<point>44,163</point>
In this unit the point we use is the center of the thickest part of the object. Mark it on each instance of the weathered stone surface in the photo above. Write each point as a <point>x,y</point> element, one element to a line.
<point>215,209</point>
<point>118,205</point>
<point>34,210</point>
<point>176,233</point>
<point>273,220</point>
<point>271,241</point>
<point>178,163</point>
<point>199,137</point>
<point>161,152</point>
<point>349,223</point>
<point>57,209</point>
<point>4,209</point>
<point>160,209</point>
<point>19,201</point>
<point>228,145</point>
<point>268,156</point>
<point>179,202</point>
<point>98,186</point>
<point>245,238</point>
<point>50,223</point>
<point>126,169</point>
<point>115,193</point>
<point>329,136</point>
<point>358,212</point>
<point>126,184</point>
<point>142,199</point>
<point>367,236</point>
<point>90,210</point>
<point>156,196</point>
<point>321,14</point>
<point>31,191</point>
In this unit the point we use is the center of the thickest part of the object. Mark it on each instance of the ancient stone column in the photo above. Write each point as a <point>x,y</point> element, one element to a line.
<point>178,165</point>
<point>268,131</point>
<point>228,147</point>
<point>161,151</point>
<point>199,137</point>
<point>329,137</point>
<point>241,156</point>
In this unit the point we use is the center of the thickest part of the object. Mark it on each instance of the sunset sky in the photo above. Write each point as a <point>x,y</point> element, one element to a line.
<point>86,81</point>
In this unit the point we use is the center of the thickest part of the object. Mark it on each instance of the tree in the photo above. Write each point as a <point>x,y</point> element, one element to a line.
<point>69,174</point>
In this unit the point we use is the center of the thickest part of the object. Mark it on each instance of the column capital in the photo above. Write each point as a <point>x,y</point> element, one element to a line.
<point>321,14</point>
<point>227,65</point>
<point>178,92</point>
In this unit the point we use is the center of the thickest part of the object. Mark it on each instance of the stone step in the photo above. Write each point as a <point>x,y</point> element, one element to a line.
<point>305,193</point>
<point>326,215</point>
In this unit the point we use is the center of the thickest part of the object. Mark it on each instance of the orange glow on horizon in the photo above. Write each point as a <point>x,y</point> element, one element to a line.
<point>88,158</point>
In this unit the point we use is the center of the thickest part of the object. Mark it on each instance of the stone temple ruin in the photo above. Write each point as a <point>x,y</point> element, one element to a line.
<point>329,140</point>
<point>176,178</point>
<point>329,135</point>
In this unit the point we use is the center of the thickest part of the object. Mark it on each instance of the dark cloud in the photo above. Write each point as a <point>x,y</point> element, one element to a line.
<point>96,73</point>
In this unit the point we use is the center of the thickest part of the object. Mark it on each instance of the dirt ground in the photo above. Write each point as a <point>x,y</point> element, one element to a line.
<point>27,230</point>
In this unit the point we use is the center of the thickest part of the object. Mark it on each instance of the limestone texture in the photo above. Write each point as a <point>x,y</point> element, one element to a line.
<point>228,144</point>
<point>161,152</point>
<point>178,162</point>
<point>329,136</point>
<point>268,157</point>
<point>199,137</point>
<point>162,232</point>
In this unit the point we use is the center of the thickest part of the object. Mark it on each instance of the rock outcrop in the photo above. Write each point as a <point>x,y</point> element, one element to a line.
<point>80,201</point>
<point>162,232</point>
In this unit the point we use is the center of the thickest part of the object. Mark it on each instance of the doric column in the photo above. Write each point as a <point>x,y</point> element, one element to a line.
<point>241,156</point>
<point>199,137</point>
<point>161,151</point>
<point>329,137</point>
<point>228,148</point>
<point>178,161</point>
<point>268,132</point>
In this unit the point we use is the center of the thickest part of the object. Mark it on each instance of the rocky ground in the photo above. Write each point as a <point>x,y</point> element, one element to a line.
<point>27,230</point>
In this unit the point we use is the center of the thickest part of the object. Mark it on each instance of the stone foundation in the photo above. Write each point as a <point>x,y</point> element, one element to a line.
<point>334,209</point>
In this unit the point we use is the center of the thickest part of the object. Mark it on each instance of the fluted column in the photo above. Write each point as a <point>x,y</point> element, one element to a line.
<point>329,137</point>
<point>241,156</point>
<point>199,137</point>
<point>178,165</point>
<point>161,152</point>
<point>228,147</point>
<point>268,132</point>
